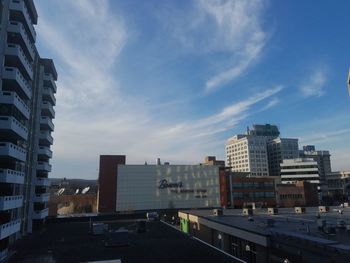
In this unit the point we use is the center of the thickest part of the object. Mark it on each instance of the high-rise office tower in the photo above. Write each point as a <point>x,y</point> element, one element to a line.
<point>248,152</point>
<point>280,149</point>
<point>27,88</point>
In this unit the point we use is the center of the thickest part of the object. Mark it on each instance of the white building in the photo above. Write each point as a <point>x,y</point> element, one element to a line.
<point>27,97</point>
<point>299,169</point>
<point>147,187</point>
<point>246,153</point>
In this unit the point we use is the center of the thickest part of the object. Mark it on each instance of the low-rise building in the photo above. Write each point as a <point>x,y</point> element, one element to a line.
<point>211,160</point>
<point>301,193</point>
<point>300,170</point>
<point>339,185</point>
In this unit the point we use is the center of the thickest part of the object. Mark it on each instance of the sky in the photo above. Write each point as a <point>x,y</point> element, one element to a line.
<point>176,79</point>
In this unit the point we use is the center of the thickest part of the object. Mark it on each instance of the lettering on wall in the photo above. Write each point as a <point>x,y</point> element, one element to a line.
<point>176,188</point>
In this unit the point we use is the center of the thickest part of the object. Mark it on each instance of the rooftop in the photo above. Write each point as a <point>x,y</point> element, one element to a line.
<point>73,242</point>
<point>286,222</point>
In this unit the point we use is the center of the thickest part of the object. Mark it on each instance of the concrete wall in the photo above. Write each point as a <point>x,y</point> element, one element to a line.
<point>145,187</point>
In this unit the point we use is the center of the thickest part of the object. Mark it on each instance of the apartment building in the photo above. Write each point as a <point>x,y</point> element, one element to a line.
<point>27,88</point>
<point>248,152</point>
<point>280,149</point>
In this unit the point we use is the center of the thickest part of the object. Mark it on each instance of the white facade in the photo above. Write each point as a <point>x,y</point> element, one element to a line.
<point>299,170</point>
<point>146,187</point>
<point>248,153</point>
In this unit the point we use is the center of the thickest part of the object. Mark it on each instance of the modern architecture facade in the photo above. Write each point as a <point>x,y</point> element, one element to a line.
<point>27,88</point>
<point>300,169</point>
<point>323,159</point>
<point>248,152</point>
<point>338,185</point>
<point>280,149</point>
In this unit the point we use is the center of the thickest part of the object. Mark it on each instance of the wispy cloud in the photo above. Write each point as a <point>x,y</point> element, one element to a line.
<point>315,85</point>
<point>95,117</point>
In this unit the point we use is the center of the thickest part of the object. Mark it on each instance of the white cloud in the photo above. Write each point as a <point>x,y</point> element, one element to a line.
<point>231,30</point>
<point>93,115</point>
<point>315,85</point>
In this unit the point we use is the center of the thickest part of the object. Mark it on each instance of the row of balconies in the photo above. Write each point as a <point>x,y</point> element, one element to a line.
<point>11,176</point>
<point>12,150</point>
<point>10,97</point>
<point>21,12</point>
<point>40,181</point>
<point>16,57</point>
<point>10,202</point>
<point>13,126</point>
<point>14,78</point>
<point>10,228</point>
<point>17,29</point>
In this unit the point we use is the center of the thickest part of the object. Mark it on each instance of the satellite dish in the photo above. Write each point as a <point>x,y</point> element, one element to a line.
<point>77,191</point>
<point>85,190</point>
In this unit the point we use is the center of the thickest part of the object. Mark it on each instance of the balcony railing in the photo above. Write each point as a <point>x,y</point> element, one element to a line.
<point>14,76</point>
<point>41,198</point>
<point>50,81</point>
<point>42,181</point>
<point>10,97</point>
<point>3,254</point>
<point>18,28</point>
<point>11,176</point>
<point>45,138</point>
<point>14,151</point>
<point>17,56</point>
<point>40,214</point>
<point>20,7</point>
<point>47,109</point>
<point>46,123</point>
<point>9,228</point>
<point>10,124</point>
<point>49,96</point>
<point>44,166</point>
<point>10,202</point>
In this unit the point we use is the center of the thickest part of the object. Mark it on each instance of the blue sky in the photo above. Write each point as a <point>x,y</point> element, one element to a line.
<point>175,79</point>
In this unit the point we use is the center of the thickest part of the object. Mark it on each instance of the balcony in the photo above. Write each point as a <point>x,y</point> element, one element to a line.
<point>10,228</point>
<point>8,97</point>
<point>49,96</point>
<point>15,57</point>
<point>45,138</point>
<point>49,81</point>
<point>45,151</point>
<point>20,12</point>
<point>41,214</point>
<point>46,124</point>
<point>44,166</point>
<point>13,77</point>
<point>18,35</point>
<point>10,202</point>
<point>11,176</point>
<point>14,151</point>
<point>47,109</point>
<point>42,181</point>
<point>41,198</point>
<point>15,129</point>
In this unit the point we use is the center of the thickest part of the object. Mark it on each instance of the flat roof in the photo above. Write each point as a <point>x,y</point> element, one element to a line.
<point>286,222</point>
<point>73,242</point>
